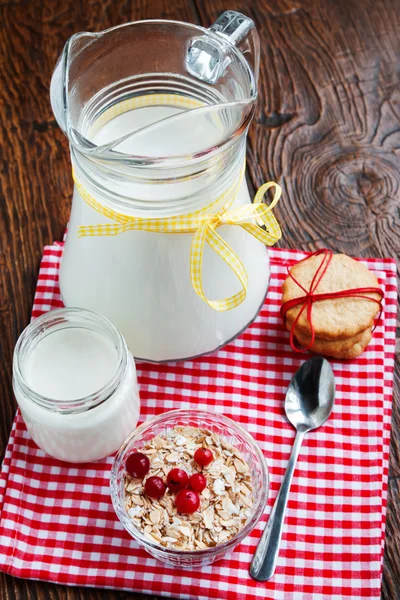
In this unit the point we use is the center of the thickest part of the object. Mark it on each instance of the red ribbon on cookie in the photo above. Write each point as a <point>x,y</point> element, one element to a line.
<point>310,297</point>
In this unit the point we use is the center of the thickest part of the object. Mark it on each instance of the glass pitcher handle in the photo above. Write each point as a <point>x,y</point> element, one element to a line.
<point>233,26</point>
<point>208,57</point>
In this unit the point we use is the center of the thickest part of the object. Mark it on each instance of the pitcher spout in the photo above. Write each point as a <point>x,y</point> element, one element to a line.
<point>62,81</point>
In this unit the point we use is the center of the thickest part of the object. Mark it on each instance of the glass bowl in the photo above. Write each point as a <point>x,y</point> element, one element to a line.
<point>232,433</point>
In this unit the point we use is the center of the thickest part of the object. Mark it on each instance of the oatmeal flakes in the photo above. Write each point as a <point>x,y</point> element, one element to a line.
<point>225,504</point>
<point>216,467</point>
<point>158,442</point>
<point>228,505</point>
<point>155,516</point>
<point>223,514</point>
<point>208,516</point>
<point>180,440</point>
<point>186,531</point>
<point>149,451</point>
<point>224,536</point>
<point>228,524</point>
<point>173,457</point>
<point>218,487</point>
<point>134,511</point>
<point>240,466</point>
<point>206,494</point>
<point>229,474</point>
<point>172,533</point>
<point>132,486</point>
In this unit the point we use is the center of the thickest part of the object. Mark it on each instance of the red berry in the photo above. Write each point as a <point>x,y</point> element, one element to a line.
<point>154,487</point>
<point>203,457</point>
<point>187,501</point>
<point>198,482</point>
<point>137,464</point>
<point>177,479</point>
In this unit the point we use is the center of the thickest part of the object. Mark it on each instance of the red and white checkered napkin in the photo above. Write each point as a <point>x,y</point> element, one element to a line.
<point>57,522</point>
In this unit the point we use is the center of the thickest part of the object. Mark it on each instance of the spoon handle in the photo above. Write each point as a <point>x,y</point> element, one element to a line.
<point>263,564</point>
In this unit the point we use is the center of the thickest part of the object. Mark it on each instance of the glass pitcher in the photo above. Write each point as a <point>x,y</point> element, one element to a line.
<point>163,239</point>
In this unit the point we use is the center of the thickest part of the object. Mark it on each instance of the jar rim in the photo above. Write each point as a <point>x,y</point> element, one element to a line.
<point>56,320</point>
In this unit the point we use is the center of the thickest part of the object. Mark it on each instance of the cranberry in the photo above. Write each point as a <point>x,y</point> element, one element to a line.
<point>154,487</point>
<point>137,465</point>
<point>177,479</point>
<point>198,482</point>
<point>187,501</point>
<point>203,457</point>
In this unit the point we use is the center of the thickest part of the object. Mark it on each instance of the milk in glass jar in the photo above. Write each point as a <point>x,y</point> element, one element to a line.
<point>76,386</point>
<point>163,238</point>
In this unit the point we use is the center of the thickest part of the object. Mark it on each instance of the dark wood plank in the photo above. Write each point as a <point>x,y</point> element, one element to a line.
<point>326,127</point>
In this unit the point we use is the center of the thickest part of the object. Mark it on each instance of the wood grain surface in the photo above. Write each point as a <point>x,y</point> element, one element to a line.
<point>326,128</point>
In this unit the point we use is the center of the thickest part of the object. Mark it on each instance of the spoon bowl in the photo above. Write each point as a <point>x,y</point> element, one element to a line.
<point>310,395</point>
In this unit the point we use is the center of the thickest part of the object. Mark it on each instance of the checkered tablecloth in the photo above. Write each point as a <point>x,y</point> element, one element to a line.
<point>57,522</point>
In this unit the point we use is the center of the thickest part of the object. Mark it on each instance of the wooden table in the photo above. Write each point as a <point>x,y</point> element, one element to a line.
<point>326,128</point>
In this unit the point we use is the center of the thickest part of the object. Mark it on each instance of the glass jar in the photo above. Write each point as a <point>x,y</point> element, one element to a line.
<point>75,383</point>
<point>157,141</point>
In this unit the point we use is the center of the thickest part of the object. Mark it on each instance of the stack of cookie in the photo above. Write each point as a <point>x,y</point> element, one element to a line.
<point>342,325</point>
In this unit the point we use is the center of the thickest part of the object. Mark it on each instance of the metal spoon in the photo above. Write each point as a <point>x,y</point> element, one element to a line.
<point>308,404</point>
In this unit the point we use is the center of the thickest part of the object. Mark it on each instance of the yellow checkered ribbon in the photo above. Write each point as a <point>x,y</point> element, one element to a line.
<point>241,217</point>
<point>203,225</point>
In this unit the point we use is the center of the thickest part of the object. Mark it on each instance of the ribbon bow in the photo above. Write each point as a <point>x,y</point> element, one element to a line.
<point>203,225</point>
<point>310,297</point>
